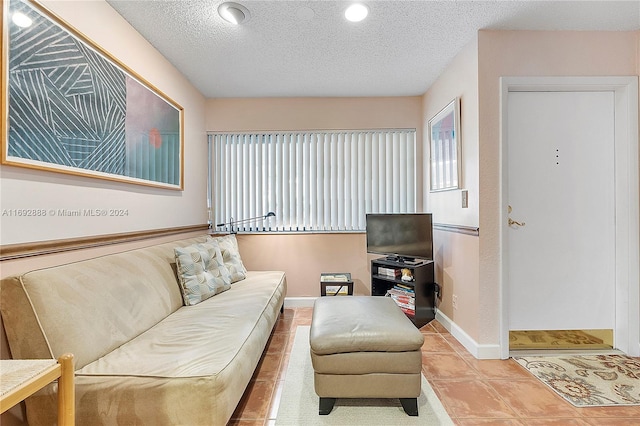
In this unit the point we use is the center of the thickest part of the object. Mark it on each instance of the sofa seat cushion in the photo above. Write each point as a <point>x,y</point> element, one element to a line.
<point>200,340</point>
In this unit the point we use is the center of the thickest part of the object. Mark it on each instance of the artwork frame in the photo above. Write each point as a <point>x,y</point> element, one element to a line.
<point>69,106</point>
<point>445,148</point>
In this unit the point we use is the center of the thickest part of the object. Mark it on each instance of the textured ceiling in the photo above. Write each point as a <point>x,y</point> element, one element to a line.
<point>307,48</point>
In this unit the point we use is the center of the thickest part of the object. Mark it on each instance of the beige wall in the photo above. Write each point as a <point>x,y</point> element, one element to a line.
<point>459,79</point>
<point>457,258</point>
<point>304,256</point>
<point>527,53</point>
<point>148,208</point>
<point>312,113</point>
<point>456,255</point>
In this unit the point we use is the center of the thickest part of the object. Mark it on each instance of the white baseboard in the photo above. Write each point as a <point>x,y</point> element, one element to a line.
<point>477,350</point>
<point>299,302</point>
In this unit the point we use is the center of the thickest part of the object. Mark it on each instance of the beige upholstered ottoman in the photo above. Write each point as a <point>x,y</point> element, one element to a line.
<point>364,347</point>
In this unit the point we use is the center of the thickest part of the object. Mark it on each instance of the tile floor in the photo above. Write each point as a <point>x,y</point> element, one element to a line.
<point>474,392</point>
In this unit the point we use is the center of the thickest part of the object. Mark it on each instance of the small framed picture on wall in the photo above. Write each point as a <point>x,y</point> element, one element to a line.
<point>444,148</point>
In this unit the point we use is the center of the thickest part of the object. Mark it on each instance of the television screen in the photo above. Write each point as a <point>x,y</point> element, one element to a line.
<point>405,236</point>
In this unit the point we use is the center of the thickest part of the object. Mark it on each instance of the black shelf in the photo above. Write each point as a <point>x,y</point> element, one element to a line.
<point>423,285</point>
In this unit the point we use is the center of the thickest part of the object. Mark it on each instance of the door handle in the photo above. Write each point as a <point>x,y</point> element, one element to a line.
<point>515,222</point>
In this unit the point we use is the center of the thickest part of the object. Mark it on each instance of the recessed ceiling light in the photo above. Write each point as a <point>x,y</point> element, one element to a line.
<point>233,12</point>
<point>21,20</point>
<point>305,13</point>
<point>356,12</point>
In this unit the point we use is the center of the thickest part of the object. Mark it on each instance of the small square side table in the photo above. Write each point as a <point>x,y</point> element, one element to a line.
<point>336,284</point>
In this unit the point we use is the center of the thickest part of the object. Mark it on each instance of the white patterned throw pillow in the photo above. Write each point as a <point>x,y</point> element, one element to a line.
<point>231,255</point>
<point>201,272</point>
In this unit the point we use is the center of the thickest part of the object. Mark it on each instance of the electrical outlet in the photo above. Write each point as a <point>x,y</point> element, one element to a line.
<point>454,301</point>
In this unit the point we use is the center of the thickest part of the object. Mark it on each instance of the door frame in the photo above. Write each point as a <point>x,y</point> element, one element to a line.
<point>627,202</point>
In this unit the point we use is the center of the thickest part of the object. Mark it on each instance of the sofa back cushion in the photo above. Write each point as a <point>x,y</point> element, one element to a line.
<point>93,306</point>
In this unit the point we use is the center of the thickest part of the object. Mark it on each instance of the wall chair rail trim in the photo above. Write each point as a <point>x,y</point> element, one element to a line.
<point>460,229</point>
<point>38,248</point>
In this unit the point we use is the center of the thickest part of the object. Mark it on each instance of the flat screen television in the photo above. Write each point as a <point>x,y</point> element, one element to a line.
<point>401,237</point>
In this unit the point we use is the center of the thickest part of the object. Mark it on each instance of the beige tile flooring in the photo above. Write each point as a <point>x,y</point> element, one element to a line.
<point>474,392</point>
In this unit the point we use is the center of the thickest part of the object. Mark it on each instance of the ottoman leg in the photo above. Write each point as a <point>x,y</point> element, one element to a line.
<point>326,405</point>
<point>410,406</point>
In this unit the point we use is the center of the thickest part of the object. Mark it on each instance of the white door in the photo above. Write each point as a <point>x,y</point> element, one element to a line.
<point>561,189</point>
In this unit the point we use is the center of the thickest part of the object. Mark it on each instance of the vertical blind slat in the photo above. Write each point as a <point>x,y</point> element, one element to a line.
<point>375,175</point>
<point>273,194</point>
<point>300,182</point>
<point>368,191</point>
<point>353,168</point>
<point>326,214</point>
<point>313,178</point>
<point>395,182</point>
<point>361,198</point>
<point>387,146</point>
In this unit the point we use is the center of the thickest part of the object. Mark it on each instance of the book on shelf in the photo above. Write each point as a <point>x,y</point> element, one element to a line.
<point>405,306</point>
<point>403,299</point>
<point>404,287</point>
<point>403,290</point>
<point>407,309</point>
<point>411,312</point>
<point>340,290</point>
<point>389,272</point>
<point>398,292</point>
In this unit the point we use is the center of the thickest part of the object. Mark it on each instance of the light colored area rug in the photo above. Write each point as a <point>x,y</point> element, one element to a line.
<point>589,381</point>
<point>299,402</point>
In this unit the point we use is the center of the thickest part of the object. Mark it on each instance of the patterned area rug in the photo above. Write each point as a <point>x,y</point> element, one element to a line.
<point>589,381</point>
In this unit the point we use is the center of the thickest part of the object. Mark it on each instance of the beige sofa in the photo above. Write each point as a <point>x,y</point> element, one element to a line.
<point>142,357</point>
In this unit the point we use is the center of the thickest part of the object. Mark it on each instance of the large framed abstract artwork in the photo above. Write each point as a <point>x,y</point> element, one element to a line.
<point>444,141</point>
<point>69,106</point>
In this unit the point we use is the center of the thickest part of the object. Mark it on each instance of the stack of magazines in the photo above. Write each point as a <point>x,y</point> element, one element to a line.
<point>404,296</point>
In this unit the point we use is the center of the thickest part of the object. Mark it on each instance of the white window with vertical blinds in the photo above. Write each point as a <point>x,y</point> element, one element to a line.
<point>313,181</point>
